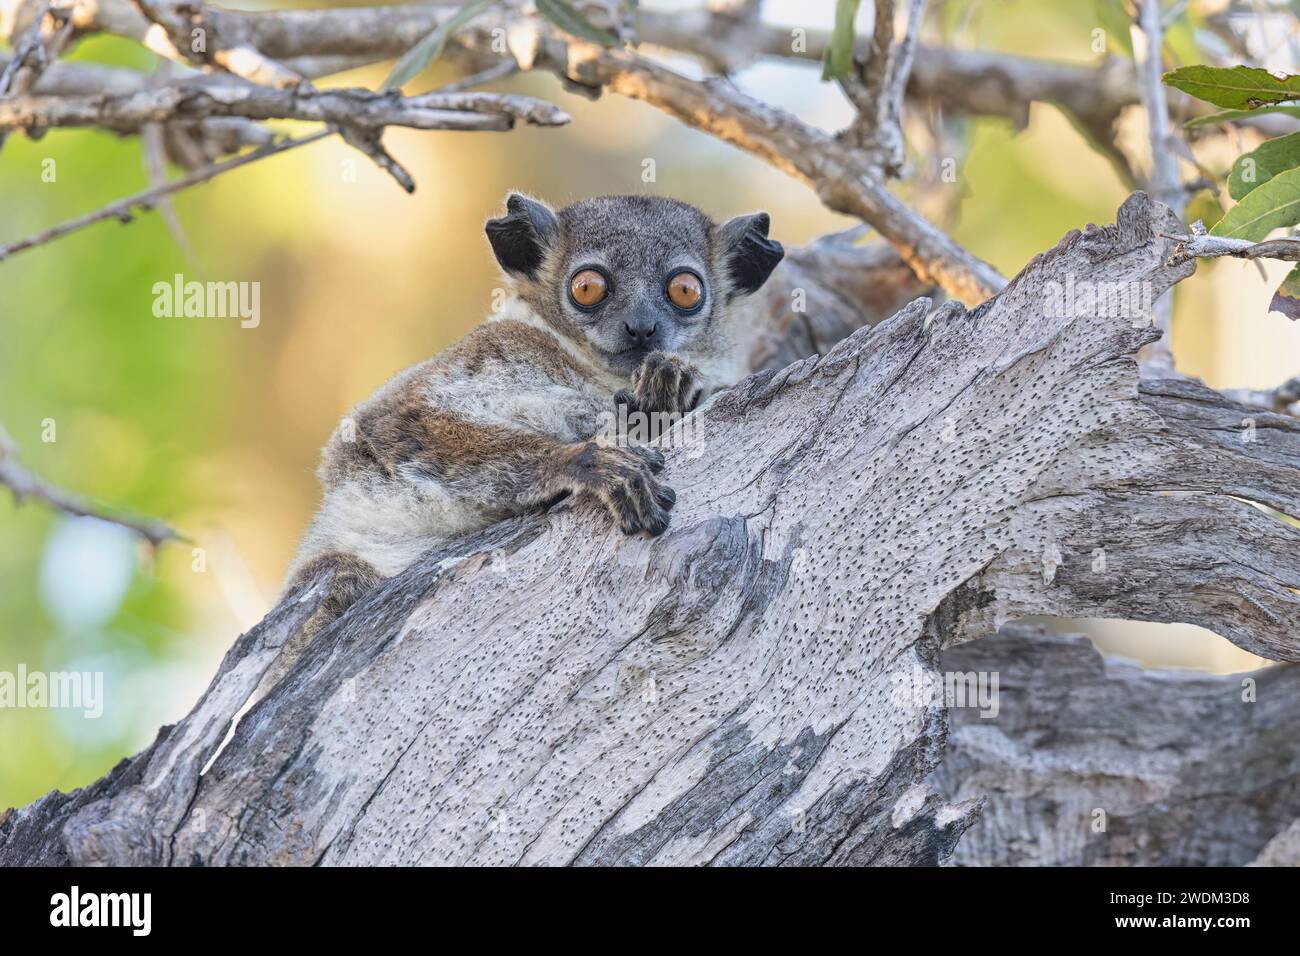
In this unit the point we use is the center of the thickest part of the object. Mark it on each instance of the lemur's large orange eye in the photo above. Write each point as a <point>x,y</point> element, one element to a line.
<point>685,290</point>
<point>588,287</point>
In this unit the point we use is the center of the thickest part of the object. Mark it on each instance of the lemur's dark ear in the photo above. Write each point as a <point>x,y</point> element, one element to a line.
<point>750,255</point>
<point>520,237</point>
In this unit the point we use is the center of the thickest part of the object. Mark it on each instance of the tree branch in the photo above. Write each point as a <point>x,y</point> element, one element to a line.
<point>24,484</point>
<point>38,47</point>
<point>726,693</point>
<point>124,209</point>
<point>838,173</point>
<point>177,27</point>
<point>1093,762</point>
<point>1284,399</point>
<point>981,82</point>
<point>363,109</point>
<point>1200,244</point>
<point>1166,182</point>
<point>878,87</point>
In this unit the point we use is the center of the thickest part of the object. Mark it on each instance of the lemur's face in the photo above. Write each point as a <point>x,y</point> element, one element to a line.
<point>628,275</point>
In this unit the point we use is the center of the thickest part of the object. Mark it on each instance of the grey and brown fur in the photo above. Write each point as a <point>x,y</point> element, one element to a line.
<point>505,420</point>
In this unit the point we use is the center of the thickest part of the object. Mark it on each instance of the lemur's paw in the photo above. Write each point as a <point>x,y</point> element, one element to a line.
<point>623,479</point>
<point>663,383</point>
<point>651,456</point>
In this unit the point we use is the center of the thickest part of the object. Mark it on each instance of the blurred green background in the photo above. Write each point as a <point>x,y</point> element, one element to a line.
<point>216,428</point>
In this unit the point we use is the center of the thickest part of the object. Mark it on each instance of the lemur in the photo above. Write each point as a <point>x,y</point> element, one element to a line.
<point>618,299</point>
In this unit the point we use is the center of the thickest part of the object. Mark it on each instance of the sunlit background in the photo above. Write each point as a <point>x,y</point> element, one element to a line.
<point>216,428</point>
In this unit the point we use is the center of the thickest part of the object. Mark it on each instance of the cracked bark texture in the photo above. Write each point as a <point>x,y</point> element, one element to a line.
<point>1095,762</point>
<point>552,692</point>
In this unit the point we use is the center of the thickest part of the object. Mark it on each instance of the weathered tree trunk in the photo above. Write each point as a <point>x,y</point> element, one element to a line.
<point>550,691</point>
<point>1102,763</point>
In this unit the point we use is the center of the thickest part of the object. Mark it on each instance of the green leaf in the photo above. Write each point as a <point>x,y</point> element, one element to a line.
<point>570,20</point>
<point>1115,20</point>
<point>1263,163</point>
<point>1237,87</point>
<point>1230,116</point>
<point>839,52</point>
<point>414,61</point>
<point>1271,206</point>
<point>1287,297</point>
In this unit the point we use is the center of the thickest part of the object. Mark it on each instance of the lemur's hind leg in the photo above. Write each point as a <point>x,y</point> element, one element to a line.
<point>350,578</point>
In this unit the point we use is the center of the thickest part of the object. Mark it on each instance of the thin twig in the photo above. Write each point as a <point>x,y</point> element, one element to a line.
<point>1166,182</point>
<point>153,143</point>
<point>25,51</point>
<point>122,210</point>
<point>173,39</point>
<point>246,62</point>
<point>24,484</point>
<point>878,88</point>
<point>497,71</point>
<point>34,52</point>
<point>450,95</point>
<point>1201,245</point>
<point>360,114</point>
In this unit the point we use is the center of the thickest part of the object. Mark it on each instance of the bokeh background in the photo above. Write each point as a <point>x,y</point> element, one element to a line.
<point>217,428</point>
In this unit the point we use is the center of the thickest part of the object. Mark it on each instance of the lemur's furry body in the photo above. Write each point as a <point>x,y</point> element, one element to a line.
<point>455,443</point>
<point>504,421</point>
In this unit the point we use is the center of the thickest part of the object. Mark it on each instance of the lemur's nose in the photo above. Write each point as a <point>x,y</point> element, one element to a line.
<point>642,332</point>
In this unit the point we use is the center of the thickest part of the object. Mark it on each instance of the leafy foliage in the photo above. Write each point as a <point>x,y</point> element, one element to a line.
<point>1237,87</point>
<point>1263,163</point>
<point>1265,181</point>
<point>1270,206</point>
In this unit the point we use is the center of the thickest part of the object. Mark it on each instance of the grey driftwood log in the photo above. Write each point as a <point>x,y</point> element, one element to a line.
<point>552,692</point>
